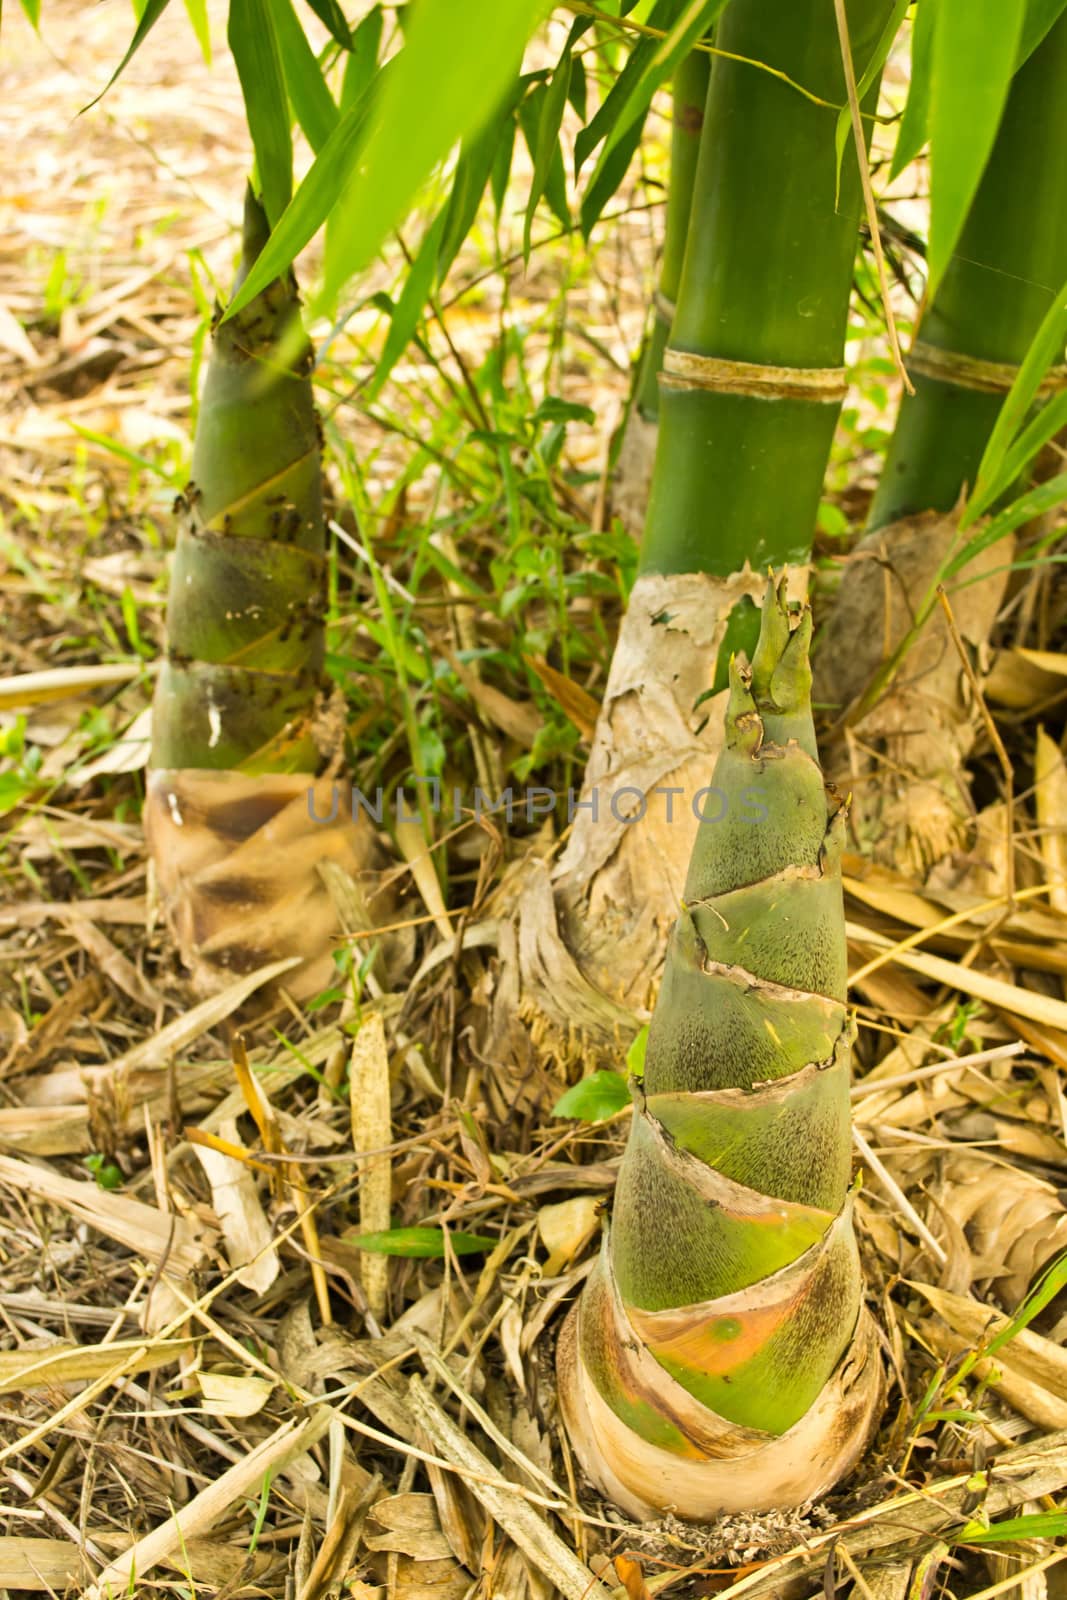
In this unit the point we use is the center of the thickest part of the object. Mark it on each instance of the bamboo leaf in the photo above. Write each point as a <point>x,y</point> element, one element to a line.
<point>974,50</point>
<point>1038,431</point>
<point>255,52</point>
<point>546,147</point>
<point>695,19</point>
<point>600,1095</point>
<point>409,306</point>
<point>309,207</point>
<point>32,8</point>
<point>663,15</point>
<point>1046,497</point>
<point>196,10</point>
<point>422,1243</point>
<point>607,177</point>
<point>438,93</point>
<point>478,158</point>
<point>1040,17</point>
<point>330,14</point>
<point>1046,347</point>
<point>555,182</point>
<point>1038,1525</point>
<point>915,123</point>
<point>865,80</point>
<point>145,23</point>
<point>313,105</point>
<point>362,59</point>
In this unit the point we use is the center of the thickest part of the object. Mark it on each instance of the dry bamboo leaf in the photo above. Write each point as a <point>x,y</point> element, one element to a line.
<point>128,753</point>
<point>171,1242</point>
<point>413,848</point>
<point>1022,679</point>
<point>372,1129</point>
<point>245,1229</point>
<point>1002,1377</point>
<point>981,985</point>
<point>159,1050</point>
<point>408,1524</point>
<point>566,1228</point>
<point>233,1394</point>
<point>112,963</point>
<point>245,1477</point>
<point>1040,1360</point>
<point>60,683</point>
<point>519,720</point>
<point>574,701</point>
<point>514,1514</point>
<point>28,1369</point>
<point>1050,797</point>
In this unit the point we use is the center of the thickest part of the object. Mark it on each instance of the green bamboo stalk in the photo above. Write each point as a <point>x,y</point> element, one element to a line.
<point>690,91</point>
<point>1009,264</point>
<point>766,281</point>
<point>245,641</point>
<point>719,1359</point>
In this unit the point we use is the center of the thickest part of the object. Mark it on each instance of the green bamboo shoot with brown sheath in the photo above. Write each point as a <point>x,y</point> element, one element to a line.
<point>720,1358</point>
<point>237,822</point>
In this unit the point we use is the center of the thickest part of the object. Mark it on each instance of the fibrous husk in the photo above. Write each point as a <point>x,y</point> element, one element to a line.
<point>236,868</point>
<point>905,759</point>
<point>590,959</point>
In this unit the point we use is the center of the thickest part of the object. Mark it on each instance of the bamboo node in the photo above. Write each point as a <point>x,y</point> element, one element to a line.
<point>972,372</point>
<point>665,307</point>
<point>682,369</point>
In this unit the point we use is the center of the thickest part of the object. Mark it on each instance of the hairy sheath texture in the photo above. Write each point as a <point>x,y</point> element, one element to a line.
<point>720,1359</point>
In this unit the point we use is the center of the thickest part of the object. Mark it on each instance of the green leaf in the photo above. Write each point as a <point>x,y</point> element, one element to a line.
<point>635,1056</point>
<point>915,123</point>
<point>1038,1525</point>
<point>448,81</point>
<point>477,162</point>
<point>546,147</point>
<point>330,14</point>
<point>310,206</point>
<point>607,177</point>
<point>501,173</point>
<point>1040,16</point>
<point>408,309</point>
<point>148,19</point>
<point>1046,347</point>
<point>696,18</point>
<point>362,59</point>
<point>252,39</point>
<point>196,11</point>
<point>313,104</point>
<point>32,8</point>
<point>600,1095</point>
<point>555,184</point>
<point>866,79</point>
<point>975,46</point>
<point>1037,433</point>
<point>1046,497</point>
<point>425,1243</point>
<point>663,15</point>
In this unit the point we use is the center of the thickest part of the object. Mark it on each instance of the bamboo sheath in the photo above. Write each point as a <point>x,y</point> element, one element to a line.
<point>240,721</point>
<point>1010,263</point>
<point>720,1359</point>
